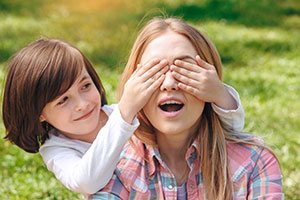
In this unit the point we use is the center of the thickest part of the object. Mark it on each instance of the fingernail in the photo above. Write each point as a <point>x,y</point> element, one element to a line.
<point>178,62</point>
<point>155,60</point>
<point>163,61</point>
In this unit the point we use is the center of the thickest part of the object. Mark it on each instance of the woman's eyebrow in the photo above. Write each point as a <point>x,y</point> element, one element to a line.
<point>184,57</point>
<point>177,58</point>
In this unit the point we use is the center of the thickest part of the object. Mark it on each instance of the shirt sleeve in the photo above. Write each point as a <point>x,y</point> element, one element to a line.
<point>266,179</point>
<point>88,172</point>
<point>234,119</point>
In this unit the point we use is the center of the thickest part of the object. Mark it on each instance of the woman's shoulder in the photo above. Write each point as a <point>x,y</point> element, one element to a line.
<point>254,169</point>
<point>133,165</point>
<point>244,157</point>
<point>246,148</point>
<point>133,155</point>
<point>130,173</point>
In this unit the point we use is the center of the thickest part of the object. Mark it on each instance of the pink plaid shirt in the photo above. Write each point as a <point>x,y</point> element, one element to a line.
<point>144,175</point>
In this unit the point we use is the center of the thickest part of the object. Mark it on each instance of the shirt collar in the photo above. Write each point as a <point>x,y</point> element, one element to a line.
<point>154,159</point>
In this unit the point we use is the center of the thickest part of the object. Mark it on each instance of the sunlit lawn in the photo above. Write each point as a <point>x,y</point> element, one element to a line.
<point>260,52</point>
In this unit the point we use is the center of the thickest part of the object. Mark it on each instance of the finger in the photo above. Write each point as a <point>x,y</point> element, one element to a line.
<point>148,66</point>
<point>162,65</point>
<point>155,84</point>
<point>188,66</point>
<point>184,72</point>
<point>156,77</point>
<point>139,66</point>
<point>193,91</point>
<point>185,80</point>
<point>159,73</point>
<point>203,64</point>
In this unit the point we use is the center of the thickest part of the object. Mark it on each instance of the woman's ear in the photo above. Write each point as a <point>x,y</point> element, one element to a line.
<point>42,118</point>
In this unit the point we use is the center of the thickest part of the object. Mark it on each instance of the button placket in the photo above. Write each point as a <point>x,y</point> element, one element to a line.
<point>170,187</point>
<point>192,185</point>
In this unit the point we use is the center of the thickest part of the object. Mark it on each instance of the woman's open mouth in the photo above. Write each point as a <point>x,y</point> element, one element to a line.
<point>171,108</point>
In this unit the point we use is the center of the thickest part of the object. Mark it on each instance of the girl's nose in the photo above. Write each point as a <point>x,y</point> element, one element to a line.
<point>80,104</point>
<point>170,83</point>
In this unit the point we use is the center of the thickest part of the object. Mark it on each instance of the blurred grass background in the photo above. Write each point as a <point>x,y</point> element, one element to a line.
<point>258,41</point>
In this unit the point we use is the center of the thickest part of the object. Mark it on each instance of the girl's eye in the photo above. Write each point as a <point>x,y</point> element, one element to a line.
<point>63,100</point>
<point>85,86</point>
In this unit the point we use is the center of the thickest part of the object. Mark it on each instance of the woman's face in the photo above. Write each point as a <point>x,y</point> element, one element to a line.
<point>171,110</point>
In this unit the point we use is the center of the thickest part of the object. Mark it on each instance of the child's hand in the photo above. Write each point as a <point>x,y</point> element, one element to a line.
<point>202,81</point>
<point>140,86</point>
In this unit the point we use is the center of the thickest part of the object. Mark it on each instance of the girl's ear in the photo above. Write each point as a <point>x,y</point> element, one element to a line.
<point>42,118</point>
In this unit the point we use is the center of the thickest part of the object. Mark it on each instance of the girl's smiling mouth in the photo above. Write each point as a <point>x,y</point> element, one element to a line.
<point>85,115</point>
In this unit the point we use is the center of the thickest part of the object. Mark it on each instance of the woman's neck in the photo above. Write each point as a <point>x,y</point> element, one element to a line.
<point>172,149</point>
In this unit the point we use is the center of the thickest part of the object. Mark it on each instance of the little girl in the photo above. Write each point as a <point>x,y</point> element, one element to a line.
<point>54,103</point>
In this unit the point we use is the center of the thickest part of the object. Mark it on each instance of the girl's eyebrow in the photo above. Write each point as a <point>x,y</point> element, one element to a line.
<point>83,78</point>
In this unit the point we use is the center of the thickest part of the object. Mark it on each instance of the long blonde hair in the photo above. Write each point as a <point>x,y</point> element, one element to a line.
<point>211,134</point>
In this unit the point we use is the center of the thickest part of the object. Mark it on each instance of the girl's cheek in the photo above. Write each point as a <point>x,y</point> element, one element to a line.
<point>69,108</point>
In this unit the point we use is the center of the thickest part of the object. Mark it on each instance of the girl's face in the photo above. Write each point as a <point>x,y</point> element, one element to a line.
<point>171,110</point>
<point>76,113</point>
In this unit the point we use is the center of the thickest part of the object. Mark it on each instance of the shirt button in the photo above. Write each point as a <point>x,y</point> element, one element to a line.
<point>192,185</point>
<point>170,187</point>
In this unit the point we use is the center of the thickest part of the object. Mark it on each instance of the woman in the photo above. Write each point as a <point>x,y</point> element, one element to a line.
<point>182,150</point>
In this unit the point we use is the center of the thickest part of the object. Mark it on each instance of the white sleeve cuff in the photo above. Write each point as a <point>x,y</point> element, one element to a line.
<point>234,119</point>
<point>235,96</point>
<point>116,115</point>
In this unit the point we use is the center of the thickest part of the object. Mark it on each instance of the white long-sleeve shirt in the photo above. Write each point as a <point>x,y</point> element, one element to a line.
<point>85,168</point>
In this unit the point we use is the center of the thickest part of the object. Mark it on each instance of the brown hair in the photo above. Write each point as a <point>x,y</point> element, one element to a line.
<point>211,133</point>
<point>37,74</point>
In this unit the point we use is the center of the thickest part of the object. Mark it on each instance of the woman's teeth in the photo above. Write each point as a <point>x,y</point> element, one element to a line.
<point>170,102</point>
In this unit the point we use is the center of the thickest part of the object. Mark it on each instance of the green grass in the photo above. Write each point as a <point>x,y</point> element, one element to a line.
<point>258,41</point>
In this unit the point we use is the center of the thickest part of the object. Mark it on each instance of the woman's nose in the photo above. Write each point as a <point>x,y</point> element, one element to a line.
<point>170,83</point>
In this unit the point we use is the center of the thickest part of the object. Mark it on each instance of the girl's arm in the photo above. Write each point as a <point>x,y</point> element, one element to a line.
<point>234,117</point>
<point>201,80</point>
<point>84,167</point>
<point>88,172</point>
